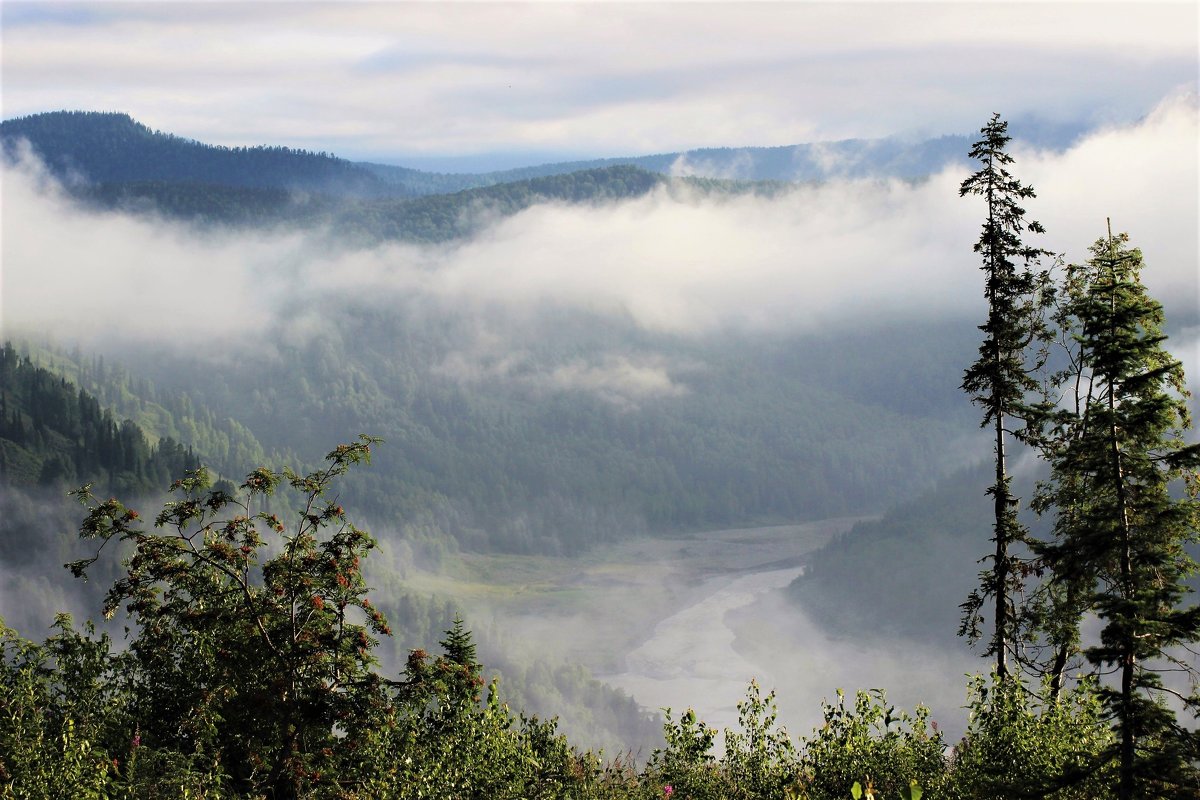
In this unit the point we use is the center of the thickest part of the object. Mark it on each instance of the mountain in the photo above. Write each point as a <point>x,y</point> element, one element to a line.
<point>361,220</point>
<point>907,158</point>
<point>110,161</point>
<point>113,148</point>
<point>99,148</point>
<point>524,455</point>
<point>851,158</point>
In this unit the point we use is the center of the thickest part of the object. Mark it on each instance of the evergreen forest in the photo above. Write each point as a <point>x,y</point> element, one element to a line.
<point>240,617</point>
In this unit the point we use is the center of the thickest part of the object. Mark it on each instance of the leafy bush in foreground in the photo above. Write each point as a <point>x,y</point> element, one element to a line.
<point>251,675</point>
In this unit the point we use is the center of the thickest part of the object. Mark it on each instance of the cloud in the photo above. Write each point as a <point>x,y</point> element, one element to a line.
<point>116,278</point>
<point>845,254</point>
<point>1146,179</point>
<point>740,168</point>
<point>409,79</point>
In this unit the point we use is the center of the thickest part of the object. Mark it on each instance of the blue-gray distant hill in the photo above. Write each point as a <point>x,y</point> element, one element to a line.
<point>892,157</point>
<point>110,161</point>
<point>99,148</point>
<point>102,148</point>
<point>852,158</point>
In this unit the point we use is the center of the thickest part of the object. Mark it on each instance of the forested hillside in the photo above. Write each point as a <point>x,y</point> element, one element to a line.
<point>54,434</point>
<point>109,161</point>
<point>925,551</point>
<point>275,649</point>
<point>514,463</point>
<point>107,148</point>
<point>113,162</point>
<point>435,218</point>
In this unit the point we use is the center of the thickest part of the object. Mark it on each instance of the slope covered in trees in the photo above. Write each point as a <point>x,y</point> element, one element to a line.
<point>110,161</point>
<point>55,434</point>
<point>113,148</point>
<point>434,218</point>
<point>513,462</point>
<point>924,551</point>
<point>252,672</point>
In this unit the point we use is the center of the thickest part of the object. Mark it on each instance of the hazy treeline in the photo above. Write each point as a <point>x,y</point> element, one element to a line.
<point>554,429</point>
<point>105,148</point>
<point>513,462</point>
<point>53,433</point>
<point>435,218</point>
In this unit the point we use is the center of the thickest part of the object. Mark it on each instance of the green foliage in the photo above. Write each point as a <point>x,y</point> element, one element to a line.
<point>51,716</point>
<point>760,760</point>
<point>869,743</point>
<point>1123,487</point>
<point>687,763</point>
<point>254,637</point>
<point>55,434</point>
<point>1059,745</point>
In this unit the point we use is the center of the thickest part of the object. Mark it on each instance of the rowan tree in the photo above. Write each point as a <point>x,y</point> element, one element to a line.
<point>254,634</point>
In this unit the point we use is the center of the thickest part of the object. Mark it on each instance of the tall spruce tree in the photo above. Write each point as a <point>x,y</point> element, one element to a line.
<point>1120,528</point>
<point>1003,375</point>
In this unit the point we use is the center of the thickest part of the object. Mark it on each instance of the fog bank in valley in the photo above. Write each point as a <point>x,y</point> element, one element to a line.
<point>838,255</point>
<point>677,264</point>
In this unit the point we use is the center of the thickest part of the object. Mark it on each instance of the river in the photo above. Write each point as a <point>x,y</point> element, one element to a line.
<point>739,626</point>
<point>690,659</point>
<point>687,621</point>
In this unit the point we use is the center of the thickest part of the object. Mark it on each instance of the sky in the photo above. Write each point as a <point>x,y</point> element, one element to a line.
<point>529,82</point>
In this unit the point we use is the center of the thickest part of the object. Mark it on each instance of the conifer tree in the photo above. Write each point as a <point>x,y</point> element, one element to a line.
<point>1002,376</point>
<point>459,645</point>
<point>1120,530</point>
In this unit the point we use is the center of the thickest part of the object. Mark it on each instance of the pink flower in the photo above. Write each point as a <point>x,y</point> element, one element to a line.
<point>668,791</point>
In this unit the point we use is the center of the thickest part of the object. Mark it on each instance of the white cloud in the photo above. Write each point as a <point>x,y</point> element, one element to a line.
<point>846,253</point>
<point>113,277</point>
<point>1146,178</point>
<point>598,78</point>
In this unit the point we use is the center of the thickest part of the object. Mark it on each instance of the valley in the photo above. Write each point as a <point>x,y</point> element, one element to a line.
<point>628,437</point>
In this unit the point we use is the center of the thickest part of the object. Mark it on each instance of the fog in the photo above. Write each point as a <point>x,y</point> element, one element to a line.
<point>836,256</point>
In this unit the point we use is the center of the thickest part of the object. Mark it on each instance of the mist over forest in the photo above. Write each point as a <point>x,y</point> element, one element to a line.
<point>653,429</point>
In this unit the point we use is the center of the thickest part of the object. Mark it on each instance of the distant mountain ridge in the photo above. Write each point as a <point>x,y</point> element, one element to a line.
<point>99,148</point>
<point>890,157</point>
<point>105,148</point>
<point>851,158</point>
